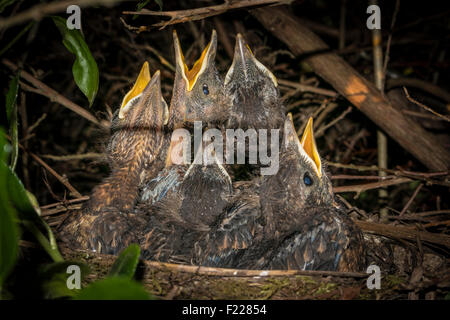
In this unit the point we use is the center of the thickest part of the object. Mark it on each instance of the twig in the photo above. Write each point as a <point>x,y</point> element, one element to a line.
<point>388,46</point>
<point>89,155</point>
<point>420,84</point>
<point>302,87</point>
<point>38,121</point>
<point>424,106</point>
<point>411,199</point>
<point>180,16</point>
<point>358,188</point>
<point>352,177</point>
<point>400,232</point>
<point>64,181</point>
<point>41,10</point>
<point>53,95</point>
<point>382,154</point>
<point>322,129</point>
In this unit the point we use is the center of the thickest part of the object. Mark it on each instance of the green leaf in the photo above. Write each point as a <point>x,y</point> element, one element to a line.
<point>28,211</point>
<point>125,265</point>
<point>160,4</point>
<point>5,3</point>
<point>143,3</point>
<point>84,69</point>
<point>9,230</point>
<point>11,114</point>
<point>16,38</point>
<point>116,288</point>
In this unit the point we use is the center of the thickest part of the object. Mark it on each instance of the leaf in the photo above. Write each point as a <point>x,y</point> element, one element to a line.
<point>84,69</point>
<point>11,115</point>
<point>5,3</point>
<point>143,3</point>
<point>28,211</point>
<point>9,230</point>
<point>160,4</point>
<point>125,265</point>
<point>115,288</point>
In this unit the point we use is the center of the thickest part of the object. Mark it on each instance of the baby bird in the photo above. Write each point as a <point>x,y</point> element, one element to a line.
<point>254,92</point>
<point>181,204</point>
<point>295,223</point>
<point>198,93</point>
<point>106,222</point>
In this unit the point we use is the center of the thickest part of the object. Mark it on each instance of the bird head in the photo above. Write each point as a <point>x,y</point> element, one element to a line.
<point>253,90</point>
<point>137,127</point>
<point>301,168</point>
<point>197,92</point>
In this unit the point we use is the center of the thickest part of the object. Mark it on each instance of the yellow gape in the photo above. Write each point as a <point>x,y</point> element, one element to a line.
<point>191,76</point>
<point>309,145</point>
<point>139,86</point>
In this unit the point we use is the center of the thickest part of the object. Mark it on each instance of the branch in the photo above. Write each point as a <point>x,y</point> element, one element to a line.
<point>180,16</point>
<point>41,10</point>
<point>407,233</point>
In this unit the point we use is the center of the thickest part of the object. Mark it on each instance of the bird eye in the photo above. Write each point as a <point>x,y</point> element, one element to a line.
<point>307,179</point>
<point>205,89</point>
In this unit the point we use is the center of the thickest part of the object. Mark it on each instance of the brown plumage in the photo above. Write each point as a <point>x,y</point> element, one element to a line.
<point>106,222</point>
<point>254,92</point>
<point>296,224</point>
<point>181,203</point>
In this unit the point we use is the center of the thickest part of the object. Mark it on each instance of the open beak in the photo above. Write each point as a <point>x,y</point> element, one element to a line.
<point>245,65</point>
<point>306,146</point>
<point>190,76</point>
<point>151,107</point>
<point>309,145</point>
<point>139,86</point>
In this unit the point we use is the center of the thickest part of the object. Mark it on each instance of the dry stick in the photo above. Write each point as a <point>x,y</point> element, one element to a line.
<point>419,84</point>
<point>437,223</point>
<point>400,232</point>
<point>180,16</point>
<point>358,188</point>
<point>424,106</point>
<point>411,199</point>
<point>41,10</point>
<point>52,94</point>
<point>57,210</point>
<point>382,146</point>
<point>302,88</point>
<point>322,129</point>
<point>49,169</point>
<point>225,272</point>
<point>62,203</point>
<point>361,93</point>
<point>64,181</point>
<point>70,157</point>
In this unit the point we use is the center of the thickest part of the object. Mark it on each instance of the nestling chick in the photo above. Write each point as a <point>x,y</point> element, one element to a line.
<point>105,222</point>
<point>254,92</point>
<point>296,224</point>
